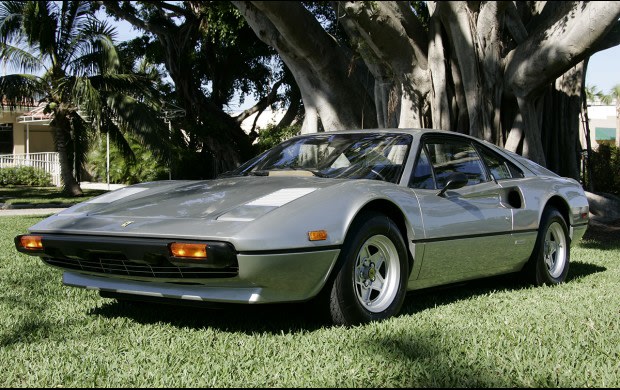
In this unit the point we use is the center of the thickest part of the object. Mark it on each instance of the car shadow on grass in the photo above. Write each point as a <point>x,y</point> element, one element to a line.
<point>294,317</point>
<point>421,300</point>
<point>249,319</point>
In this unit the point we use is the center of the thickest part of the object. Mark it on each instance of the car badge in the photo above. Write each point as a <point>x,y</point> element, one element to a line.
<point>126,223</point>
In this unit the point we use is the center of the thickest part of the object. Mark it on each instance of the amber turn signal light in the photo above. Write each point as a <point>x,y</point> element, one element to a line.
<point>31,242</point>
<point>188,250</point>
<point>317,235</point>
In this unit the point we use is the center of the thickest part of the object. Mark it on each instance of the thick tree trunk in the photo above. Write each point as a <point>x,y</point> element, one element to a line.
<point>560,126</point>
<point>62,140</point>
<point>532,145</point>
<point>440,108</point>
<point>398,42</point>
<point>458,22</point>
<point>320,66</point>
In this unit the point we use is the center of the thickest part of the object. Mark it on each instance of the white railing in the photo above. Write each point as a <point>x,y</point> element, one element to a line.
<point>46,161</point>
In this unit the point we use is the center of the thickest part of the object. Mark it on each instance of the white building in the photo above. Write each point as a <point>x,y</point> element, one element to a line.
<point>604,125</point>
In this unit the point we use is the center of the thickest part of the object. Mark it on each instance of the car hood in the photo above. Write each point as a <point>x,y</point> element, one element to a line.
<point>207,199</point>
<point>210,208</point>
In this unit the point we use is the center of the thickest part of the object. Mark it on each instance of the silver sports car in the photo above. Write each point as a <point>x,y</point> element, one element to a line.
<point>351,220</point>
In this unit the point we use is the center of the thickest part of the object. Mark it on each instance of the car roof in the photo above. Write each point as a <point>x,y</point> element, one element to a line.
<point>412,131</point>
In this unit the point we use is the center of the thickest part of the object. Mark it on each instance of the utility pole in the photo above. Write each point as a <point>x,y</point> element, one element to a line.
<point>171,111</point>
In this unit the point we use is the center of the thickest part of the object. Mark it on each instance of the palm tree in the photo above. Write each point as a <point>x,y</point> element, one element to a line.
<point>594,94</point>
<point>69,62</point>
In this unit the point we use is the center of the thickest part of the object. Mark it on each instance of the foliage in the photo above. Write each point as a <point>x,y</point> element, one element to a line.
<point>485,334</point>
<point>213,58</point>
<point>272,135</point>
<point>27,176</point>
<point>124,170</point>
<point>606,168</point>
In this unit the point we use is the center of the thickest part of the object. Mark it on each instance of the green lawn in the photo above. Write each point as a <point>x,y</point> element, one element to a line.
<point>16,195</point>
<point>494,333</point>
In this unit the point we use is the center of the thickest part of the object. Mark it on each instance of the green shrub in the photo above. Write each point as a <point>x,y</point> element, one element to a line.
<point>145,167</point>
<point>25,176</point>
<point>271,136</point>
<point>606,169</point>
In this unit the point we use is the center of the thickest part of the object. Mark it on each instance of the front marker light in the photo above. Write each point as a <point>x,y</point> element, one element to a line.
<point>31,243</point>
<point>188,250</point>
<point>317,235</point>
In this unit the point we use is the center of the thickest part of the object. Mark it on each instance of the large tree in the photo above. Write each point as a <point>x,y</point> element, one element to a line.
<point>507,72</point>
<point>70,64</point>
<point>210,54</point>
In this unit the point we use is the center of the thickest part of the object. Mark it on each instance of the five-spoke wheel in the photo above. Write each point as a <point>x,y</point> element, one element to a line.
<point>371,282</point>
<point>551,256</point>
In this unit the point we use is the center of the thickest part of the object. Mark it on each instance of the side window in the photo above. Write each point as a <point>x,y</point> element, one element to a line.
<point>499,167</point>
<point>452,156</point>
<point>423,173</point>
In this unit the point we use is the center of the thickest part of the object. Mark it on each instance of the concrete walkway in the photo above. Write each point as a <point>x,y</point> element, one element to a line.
<point>54,210</point>
<point>14,212</point>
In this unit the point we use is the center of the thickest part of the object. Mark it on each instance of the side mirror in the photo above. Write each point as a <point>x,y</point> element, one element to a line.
<point>455,180</point>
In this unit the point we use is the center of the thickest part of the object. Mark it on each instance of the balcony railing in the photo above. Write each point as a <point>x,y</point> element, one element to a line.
<point>47,161</point>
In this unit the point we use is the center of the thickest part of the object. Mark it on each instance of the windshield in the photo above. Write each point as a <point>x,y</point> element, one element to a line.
<point>377,156</point>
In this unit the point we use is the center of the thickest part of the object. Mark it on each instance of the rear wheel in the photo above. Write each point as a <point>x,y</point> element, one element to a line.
<point>371,282</point>
<point>551,256</point>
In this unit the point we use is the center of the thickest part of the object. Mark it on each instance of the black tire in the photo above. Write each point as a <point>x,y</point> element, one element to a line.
<point>550,259</point>
<point>371,283</point>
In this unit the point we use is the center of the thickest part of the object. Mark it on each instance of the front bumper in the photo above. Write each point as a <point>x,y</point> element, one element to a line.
<point>262,278</point>
<point>145,267</point>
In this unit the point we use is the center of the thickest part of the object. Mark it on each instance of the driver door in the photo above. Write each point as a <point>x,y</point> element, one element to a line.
<point>467,230</point>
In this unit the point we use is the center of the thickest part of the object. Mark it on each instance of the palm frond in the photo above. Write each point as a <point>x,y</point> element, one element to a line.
<point>11,20</point>
<point>140,120</point>
<point>87,97</point>
<point>40,23</point>
<point>615,91</point>
<point>21,58</point>
<point>74,15</point>
<point>126,83</point>
<point>117,137</point>
<point>21,89</point>
<point>93,49</point>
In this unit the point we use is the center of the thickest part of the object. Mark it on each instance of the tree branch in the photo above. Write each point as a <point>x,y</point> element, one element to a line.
<point>261,105</point>
<point>551,51</point>
<point>112,7</point>
<point>610,40</point>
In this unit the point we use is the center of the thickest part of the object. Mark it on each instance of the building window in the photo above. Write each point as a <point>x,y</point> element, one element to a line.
<point>6,138</point>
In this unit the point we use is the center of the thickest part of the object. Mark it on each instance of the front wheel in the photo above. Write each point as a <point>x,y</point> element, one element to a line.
<point>550,259</point>
<point>371,282</point>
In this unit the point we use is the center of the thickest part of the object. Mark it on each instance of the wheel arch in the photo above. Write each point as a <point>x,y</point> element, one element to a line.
<point>393,212</point>
<point>559,204</point>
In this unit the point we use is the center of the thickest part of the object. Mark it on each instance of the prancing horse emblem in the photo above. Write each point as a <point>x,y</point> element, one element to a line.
<point>126,223</point>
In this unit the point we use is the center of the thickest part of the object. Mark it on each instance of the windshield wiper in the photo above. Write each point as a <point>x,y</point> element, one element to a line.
<point>258,173</point>
<point>266,172</point>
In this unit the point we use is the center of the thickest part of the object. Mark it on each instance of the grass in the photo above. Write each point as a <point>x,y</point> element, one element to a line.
<point>20,195</point>
<point>491,333</point>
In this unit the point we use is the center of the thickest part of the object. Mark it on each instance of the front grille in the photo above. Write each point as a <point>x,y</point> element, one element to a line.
<point>117,264</point>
